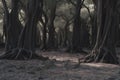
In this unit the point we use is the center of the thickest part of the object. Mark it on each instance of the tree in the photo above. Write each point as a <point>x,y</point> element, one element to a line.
<point>44,47</point>
<point>12,26</point>
<point>107,23</point>
<point>76,39</point>
<point>51,28</point>
<point>26,42</point>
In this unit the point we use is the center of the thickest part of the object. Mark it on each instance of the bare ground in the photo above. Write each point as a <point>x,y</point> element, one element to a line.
<point>65,68</point>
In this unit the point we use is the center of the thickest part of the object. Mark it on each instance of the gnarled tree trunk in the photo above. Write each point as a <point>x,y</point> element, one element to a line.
<point>12,25</point>
<point>107,22</point>
<point>26,44</point>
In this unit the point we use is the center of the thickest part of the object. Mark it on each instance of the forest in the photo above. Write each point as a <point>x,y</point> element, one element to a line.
<point>60,39</point>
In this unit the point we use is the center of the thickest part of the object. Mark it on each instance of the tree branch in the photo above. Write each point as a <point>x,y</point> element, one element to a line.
<point>88,11</point>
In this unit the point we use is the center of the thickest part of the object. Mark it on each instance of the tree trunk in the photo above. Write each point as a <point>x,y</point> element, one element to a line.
<point>107,22</point>
<point>76,38</point>
<point>84,35</point>
<point>44,47</point>
<point>26,44</point>
<point>66,27</point>
<point>94,29</point>
<point>51,28</point>
<point>12,25</point>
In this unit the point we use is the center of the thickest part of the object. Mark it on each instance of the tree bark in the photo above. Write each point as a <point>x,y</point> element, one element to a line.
<point>51,28</point>
<point>44,47</point>
<point>26,44</point>
<point>107,22</point>
<point>12,25</point>
<point>76,38</point>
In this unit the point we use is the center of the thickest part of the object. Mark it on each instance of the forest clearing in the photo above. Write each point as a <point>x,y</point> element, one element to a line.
<point>59,39</point>
<point>65,67</point>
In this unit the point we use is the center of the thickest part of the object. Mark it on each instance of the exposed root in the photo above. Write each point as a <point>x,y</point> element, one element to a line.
<point>103,56</point>
<point>21,54</point>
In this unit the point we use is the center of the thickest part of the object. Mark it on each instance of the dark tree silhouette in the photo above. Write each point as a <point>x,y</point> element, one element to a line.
<point>107,22</point>
<point>44,47</point>
<point>12,25</point>
<point>51,28</point>
<point>76,39</point>
<point>26,43</point>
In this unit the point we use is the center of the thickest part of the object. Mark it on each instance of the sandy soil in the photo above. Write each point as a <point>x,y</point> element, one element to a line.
<point>65,68</point>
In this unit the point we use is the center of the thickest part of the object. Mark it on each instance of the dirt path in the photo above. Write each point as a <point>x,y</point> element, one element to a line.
<point>52,70</point>
<point>65,68</point>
